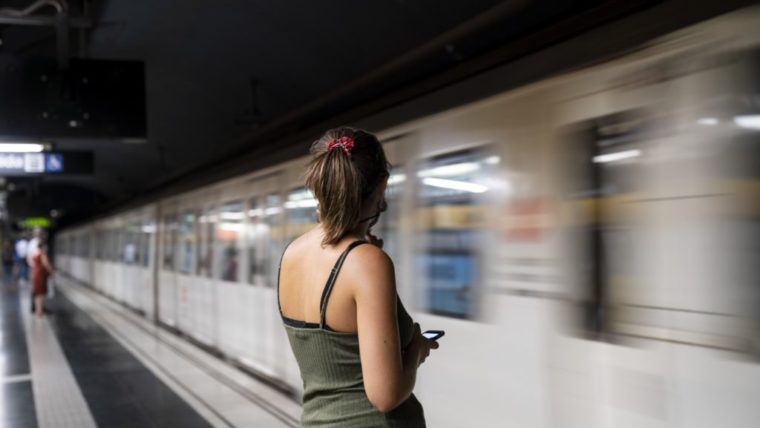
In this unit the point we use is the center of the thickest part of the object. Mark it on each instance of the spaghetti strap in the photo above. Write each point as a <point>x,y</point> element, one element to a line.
<point>331,281</point>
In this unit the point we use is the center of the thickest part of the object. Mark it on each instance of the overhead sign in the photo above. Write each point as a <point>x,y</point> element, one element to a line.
<point>45,163</point>
<point>32,222</point>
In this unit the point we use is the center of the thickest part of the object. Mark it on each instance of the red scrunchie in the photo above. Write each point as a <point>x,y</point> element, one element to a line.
<point>345,142</point>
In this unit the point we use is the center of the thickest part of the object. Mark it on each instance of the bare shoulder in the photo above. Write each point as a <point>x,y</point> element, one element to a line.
<point>296,248</point>
<point>369,267</point>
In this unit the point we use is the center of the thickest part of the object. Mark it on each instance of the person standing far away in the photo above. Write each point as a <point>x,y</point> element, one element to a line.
<point>41,271</point>
<point>21,266</point>
<point>357,348</point>
<point>7,255</point>
<point>31,246</point>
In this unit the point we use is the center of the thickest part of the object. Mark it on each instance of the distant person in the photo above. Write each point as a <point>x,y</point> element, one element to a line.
<point>22,273</point>
<point>7,255</point>
<point>31,246</point>
<point>357,348</point>
<point>41,271</point>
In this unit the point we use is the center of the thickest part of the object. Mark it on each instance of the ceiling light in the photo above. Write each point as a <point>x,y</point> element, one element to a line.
<point>303,203</point>
<point>452,170</point>
<point>612,157</point>
<point>455,185</point>
<point>21,147</point>
<point>229,215</point>
<point>709,121</point>
<point>750,121</point>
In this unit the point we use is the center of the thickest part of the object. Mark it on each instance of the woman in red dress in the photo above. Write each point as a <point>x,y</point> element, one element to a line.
<point>41,270</point>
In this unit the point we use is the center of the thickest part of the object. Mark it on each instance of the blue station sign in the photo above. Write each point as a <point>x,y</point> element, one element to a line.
<point>14,164</point>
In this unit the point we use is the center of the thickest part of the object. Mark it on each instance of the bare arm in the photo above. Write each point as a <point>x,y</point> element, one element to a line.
<point>46,262</point>
<point>388,377</point>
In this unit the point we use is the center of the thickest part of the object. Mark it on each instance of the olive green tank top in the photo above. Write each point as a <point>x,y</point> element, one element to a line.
<point>331,371</point>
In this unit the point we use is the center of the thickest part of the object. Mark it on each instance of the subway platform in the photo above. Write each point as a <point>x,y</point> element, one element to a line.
<point>94,363</point>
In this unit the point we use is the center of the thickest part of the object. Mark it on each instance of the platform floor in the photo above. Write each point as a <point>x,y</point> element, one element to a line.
<point>92,362</point>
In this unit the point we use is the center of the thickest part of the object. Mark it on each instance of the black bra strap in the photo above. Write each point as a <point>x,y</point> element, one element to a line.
<point>331,281</point>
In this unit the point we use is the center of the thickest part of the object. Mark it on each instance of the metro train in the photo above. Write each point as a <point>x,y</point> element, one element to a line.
<point>588,242</point>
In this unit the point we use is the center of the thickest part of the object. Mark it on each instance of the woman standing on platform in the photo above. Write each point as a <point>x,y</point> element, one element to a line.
<point>41,270</point>
<point>357,347</point>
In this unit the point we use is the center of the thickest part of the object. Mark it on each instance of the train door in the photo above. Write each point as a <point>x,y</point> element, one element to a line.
<point>227,268</point>
<point>169,238</point>
<point>204,296</point>
<point>114,280</point>
<point>145,259</point>
<point>450,184</point>
<point>265,349</point>
<point>131,269</point>
<point>185,268</point>
<point>101,235</point>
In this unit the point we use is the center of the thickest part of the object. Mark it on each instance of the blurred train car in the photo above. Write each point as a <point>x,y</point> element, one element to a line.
<point>588,242</point>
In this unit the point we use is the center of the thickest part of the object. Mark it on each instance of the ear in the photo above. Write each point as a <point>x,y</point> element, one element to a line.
<point>382,186</point>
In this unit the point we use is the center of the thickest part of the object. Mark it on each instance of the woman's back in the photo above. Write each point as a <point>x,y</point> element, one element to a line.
<point>357,348</point>
<point>319,313</point>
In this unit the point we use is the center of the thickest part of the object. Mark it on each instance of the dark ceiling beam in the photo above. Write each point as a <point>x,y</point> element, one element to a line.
<point>45,21</point>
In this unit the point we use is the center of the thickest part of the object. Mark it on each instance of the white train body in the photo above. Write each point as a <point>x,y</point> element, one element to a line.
<point>577,288</point>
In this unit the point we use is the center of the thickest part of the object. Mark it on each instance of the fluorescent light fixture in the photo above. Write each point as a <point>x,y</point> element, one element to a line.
<point>396,179</point>
<point>750,121</point>
<point>272,211</point>
<point>455,185</point>
<point>612,157</point>
<point>230,227</point>
<point>21,147</point>
<point>232,215</point>
<point>708,121</point>
<point>492,160</point>
<point>303,203</point>
<point>452,170</point>
<point>255,212</point>
<point>300,195</point>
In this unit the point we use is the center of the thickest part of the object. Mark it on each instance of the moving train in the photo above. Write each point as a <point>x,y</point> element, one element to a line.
<point>588,242</point>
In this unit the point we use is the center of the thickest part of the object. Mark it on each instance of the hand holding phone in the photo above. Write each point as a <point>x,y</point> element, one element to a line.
<point>433,334</point>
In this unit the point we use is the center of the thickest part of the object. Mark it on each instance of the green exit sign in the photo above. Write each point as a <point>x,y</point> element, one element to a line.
<point>32,222</point>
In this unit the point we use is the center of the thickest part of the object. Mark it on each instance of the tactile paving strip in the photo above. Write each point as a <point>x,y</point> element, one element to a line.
<point>58,400</point>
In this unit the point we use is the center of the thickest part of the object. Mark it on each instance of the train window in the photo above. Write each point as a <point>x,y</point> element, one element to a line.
<point>106,244</point>
<point>86,245</point>
<point>603,163</point>
<point>170,241</point>
<point>273,240</point>
<point>115,243</point>
<point>98,244</point>
<point>121,243</point>
<point>256,242</point>
<point>450,217</point>
<point>205,247</point>
<point>187,242</point>
<point>130,244</point>
<point>301,209</point>
<point>229,234</point>
<point>146,231</point>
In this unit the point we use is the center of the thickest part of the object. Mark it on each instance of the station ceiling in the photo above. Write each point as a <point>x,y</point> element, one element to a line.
<point>228,77</point>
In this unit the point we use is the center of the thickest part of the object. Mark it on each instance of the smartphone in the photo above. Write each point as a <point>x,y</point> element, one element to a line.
<point>433,334</point>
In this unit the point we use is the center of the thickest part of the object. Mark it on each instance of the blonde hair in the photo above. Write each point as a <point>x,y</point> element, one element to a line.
<point>342,178</point>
